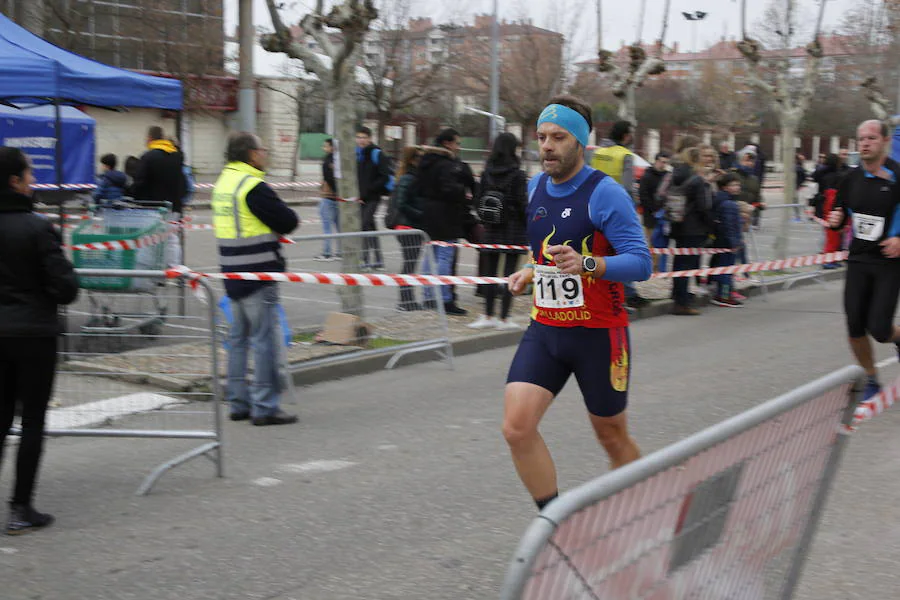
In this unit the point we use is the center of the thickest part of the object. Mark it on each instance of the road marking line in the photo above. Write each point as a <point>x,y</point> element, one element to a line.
<point>8,550</point>
<point>387,447</point>
<point>101,411</point>
<point>886,362</point>
<point>316,466</point>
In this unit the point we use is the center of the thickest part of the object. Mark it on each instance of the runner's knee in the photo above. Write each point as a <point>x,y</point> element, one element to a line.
<point>519,428</point>
<point>611,434</point>
<point>883,333</point>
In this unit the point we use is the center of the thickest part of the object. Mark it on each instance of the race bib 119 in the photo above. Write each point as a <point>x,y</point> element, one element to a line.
<point>868,227</point>
<point>553,289</point>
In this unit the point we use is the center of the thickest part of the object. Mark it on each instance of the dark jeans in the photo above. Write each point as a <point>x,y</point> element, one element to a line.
<point>724,283</point>
<point>368,209</point>
<point>491,264</point>
<point>27,369</point>
<point>684,263</point>
<point>410,249</point>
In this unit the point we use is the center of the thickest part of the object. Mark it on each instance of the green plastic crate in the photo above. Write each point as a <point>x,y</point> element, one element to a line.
<point>116,225</point>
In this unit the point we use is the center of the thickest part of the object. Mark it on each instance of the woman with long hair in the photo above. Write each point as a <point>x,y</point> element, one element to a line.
<point>407,206</point>
<point>501,200</point>
<point>694,176</point>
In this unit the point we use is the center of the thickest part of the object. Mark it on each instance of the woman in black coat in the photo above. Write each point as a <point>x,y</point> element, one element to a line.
<point>501,178</point>
<point>35,278</point>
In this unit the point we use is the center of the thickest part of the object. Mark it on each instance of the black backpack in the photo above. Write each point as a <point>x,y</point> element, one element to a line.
<point>492,203</point>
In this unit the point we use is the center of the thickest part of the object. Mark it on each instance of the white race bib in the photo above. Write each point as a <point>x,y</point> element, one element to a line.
<point>867,227</point>
<point>553,289</point>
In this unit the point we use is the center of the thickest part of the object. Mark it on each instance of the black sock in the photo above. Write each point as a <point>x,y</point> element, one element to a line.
<point>542,502</point>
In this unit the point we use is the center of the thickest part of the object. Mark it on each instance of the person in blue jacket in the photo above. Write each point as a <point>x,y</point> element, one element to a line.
<point>111,183</point>
<point>728,235</point>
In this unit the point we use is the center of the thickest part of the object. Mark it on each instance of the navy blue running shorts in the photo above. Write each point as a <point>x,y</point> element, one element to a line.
<point>599,359</point>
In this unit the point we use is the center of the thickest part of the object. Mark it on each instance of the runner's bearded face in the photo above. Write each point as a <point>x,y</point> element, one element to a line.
<point>871,145</point>
<point>561,154</point>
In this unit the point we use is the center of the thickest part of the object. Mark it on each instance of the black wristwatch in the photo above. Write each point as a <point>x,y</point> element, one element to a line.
<point>589,264</point>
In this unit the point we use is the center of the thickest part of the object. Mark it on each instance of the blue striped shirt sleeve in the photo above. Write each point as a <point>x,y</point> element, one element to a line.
<point>612,213</point>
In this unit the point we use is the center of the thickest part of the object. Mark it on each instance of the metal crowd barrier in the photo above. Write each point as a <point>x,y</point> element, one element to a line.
<point>338,323</point>
<point>727,513</point>
<point>133,366</point>
<point>806,238</point>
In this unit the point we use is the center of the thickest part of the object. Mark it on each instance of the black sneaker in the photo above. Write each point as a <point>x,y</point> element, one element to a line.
<point>429,305</point>
<point>451,308</point>
<point>24,519</point>
<point>239,416</point>
<point>279,418</point>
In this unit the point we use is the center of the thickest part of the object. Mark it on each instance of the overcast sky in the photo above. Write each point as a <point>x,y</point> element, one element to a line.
<point>578,17</point>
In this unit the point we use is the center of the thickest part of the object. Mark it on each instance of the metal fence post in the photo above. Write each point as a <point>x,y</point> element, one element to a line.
<point>818,504</point>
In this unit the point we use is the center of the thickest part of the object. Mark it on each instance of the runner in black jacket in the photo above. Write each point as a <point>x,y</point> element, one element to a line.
<point>869,197</point>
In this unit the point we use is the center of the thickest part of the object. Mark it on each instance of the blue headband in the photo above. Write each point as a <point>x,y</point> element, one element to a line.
<point>570,120</point>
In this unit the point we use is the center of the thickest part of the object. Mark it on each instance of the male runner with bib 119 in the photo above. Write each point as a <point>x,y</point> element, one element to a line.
<point>585,240</point>
<point>869,196</point>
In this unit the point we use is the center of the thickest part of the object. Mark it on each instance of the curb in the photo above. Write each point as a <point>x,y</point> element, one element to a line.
<point>493,341</point>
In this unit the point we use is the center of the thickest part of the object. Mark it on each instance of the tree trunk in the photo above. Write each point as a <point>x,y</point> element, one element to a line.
<point>788,130</point>
<point>627,106</point>
<point>350,217</point>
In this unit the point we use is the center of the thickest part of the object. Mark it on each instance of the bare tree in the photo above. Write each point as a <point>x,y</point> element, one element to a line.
<point>871,27</point>
<point>337,76</point>
<point>640,65</point>
<point>788,103</point>
<point>530,68</point>
<point>398,84</point>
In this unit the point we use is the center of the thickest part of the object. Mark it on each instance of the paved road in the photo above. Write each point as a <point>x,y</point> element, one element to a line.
<point>398,484</point>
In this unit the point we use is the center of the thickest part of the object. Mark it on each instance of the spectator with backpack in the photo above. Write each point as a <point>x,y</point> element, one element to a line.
<point>687,198</point>
<point>375,178</point>
<point>405,212</point>
<point>501,200</point>
<point>728,236</point>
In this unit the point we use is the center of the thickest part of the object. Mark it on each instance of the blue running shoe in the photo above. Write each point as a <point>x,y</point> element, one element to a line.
<point>871,390</point>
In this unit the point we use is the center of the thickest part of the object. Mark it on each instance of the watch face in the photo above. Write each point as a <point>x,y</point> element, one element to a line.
<point>589,264</point>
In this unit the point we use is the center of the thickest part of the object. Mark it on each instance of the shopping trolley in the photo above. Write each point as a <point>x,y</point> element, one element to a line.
<point>124,304</point>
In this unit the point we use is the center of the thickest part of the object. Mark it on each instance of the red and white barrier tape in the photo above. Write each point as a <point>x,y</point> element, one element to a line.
<point>690,251</point>
<point>667,251</point>
<point>54,216</point>
<point>481,246</point>
<point>372,279</point>
<point>772,265</point>
<point>877,404</point>
<point>285,185</point>
<point>361,279</point>
<point>141,242</point>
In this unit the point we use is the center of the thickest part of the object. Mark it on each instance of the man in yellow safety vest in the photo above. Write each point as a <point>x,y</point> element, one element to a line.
<point>249,219</point>
<point>614,158</point>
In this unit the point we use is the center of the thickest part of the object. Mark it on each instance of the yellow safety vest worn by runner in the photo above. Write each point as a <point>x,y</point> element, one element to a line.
<point>611,160</point>
<point>245,243</point>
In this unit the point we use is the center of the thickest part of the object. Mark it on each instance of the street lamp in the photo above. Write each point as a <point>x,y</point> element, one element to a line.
<point>694,17</point>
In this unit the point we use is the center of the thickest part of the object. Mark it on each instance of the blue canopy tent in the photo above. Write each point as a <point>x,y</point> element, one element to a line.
<point>32,130</point>
<point>34,71</point>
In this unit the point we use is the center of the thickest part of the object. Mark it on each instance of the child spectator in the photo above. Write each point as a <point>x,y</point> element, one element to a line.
<point>111,183</point>
<point>728,235</point>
